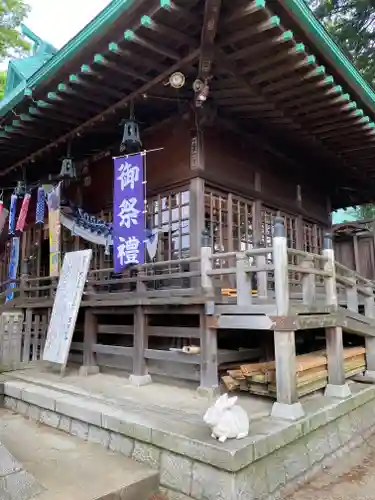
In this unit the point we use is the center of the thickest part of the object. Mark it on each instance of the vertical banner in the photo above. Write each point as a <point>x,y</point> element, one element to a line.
<point>128,212</point>
<point>13,266</point>
<point>40,206</point>
<point>12,213</point>
<point>23,213</point>
<point>54,230</point>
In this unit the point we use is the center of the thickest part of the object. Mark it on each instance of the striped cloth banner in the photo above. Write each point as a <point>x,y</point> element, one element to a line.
<point>12,213</point>
<point>40,206</point>
<point>23,212</point>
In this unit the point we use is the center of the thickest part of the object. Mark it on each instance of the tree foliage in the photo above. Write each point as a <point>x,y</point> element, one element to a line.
<point>352,24</point>
<point>3,76</point>
<point>12,13</point>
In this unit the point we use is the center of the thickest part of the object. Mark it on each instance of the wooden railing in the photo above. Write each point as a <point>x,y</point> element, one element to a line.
<point>270,275</point>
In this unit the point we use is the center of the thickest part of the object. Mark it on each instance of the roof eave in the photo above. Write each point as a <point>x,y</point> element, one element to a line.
<point>70,49</point>
<point>320,38</point>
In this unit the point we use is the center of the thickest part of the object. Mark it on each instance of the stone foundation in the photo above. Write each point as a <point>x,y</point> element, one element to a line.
<point>269,466</point>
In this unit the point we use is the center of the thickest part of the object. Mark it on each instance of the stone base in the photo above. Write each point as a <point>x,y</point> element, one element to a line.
<point>139,380</point>
<point>287,412</point>
<point>208,392</point>
<point>338,391</point>
<point>85,371</point>
<point>191,465</point>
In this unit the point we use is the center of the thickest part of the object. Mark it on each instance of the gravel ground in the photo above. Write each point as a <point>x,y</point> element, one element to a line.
<point>351,478</point>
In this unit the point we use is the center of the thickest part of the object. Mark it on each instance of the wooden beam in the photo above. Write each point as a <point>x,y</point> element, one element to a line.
<point>269,24</point>
<point>130,36</point>
<point>208,35</point>
<point>123,70</point>
<point>244,11</point>
<point>142,61</point>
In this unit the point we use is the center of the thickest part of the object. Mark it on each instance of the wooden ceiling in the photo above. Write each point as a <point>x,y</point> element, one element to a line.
<point>261,76</point>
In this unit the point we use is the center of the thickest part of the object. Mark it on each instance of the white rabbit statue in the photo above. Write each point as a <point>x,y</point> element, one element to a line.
<point>227,420</point>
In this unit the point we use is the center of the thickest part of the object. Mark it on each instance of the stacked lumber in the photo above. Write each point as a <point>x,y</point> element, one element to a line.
<point>311,373</point>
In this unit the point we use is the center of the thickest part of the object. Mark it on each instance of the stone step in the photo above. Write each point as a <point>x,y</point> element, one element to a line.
<point>57,466</point>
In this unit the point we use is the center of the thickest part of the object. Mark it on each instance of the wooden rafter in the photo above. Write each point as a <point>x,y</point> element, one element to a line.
<point>192,56</point>
<point>208,35</point>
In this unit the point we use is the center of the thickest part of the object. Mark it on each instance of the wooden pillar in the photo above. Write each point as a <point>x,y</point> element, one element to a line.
<point>90,335</point>
<point>337,386</point>
<point>209,384</point>
<point>287,405</point>
<point>260,260</point>
<point>370,341</point>
<point>196,215</point>
<point>356,253</point>
<point>140,375</point>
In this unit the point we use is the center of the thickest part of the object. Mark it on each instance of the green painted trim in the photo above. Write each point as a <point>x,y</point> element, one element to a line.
<point>322,40</point>
<point>26,118</point>
<point>97,26</point>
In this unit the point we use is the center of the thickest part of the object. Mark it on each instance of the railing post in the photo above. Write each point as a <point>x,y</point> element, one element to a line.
<point>352,296</point>
<point>206,264</point>
<point>370,341</point>
<point>140,375</point>
<point>337,386</point>
<point>308,282</point>
<point>280,262</point>
<point>209,385</point>
<point>243,280</point>
<point>329,267</point>
<point>90,335</point>
<point>287,405</point>
<point>24,278</point>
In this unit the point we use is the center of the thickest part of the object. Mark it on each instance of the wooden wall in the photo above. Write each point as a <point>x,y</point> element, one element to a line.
<point>232,161</point>
<point>357,252</point>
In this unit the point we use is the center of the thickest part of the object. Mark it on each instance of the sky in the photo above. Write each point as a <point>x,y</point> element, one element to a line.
<point>57,21</point>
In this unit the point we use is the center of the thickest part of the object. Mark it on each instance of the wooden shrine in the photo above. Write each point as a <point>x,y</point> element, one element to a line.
<point>257,127</point>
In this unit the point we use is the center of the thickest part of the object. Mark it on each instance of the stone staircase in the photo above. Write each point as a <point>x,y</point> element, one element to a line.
<point>42,463</point>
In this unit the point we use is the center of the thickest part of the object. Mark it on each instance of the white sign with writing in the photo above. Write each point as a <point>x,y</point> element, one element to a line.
<point>66,306</point>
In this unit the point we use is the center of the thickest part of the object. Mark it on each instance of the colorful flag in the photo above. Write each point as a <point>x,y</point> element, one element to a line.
<point>23,213</point>
<point>40,206</point>
<point>12,213</point>
<point>54,225</point>
<point>13,266</point>
<point>128,212</point>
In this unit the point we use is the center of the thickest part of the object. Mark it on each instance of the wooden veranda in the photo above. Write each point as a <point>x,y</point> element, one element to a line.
<point>294,291</point>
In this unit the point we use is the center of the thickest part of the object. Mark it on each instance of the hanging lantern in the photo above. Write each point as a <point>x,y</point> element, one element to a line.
<point>68,170</point>
<point>20,190</point>
<point>23,212</point>
<point>40,206</point>
<point>131,142</point>
<point>12,213</point>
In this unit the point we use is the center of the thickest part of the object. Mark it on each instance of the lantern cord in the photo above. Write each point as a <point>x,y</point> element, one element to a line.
<point>144,152</point>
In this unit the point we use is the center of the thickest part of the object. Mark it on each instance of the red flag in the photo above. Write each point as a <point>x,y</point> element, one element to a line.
<point>23,213</point>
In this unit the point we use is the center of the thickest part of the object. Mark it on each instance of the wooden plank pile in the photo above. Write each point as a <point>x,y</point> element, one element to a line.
<point>311,373</point>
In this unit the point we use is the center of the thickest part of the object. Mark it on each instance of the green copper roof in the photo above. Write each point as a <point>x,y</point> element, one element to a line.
<point>314,31</point>
<point>322,40</point>
<point>98,25</point>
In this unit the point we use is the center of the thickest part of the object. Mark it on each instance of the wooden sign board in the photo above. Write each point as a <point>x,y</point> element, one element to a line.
<point>66,306</point>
